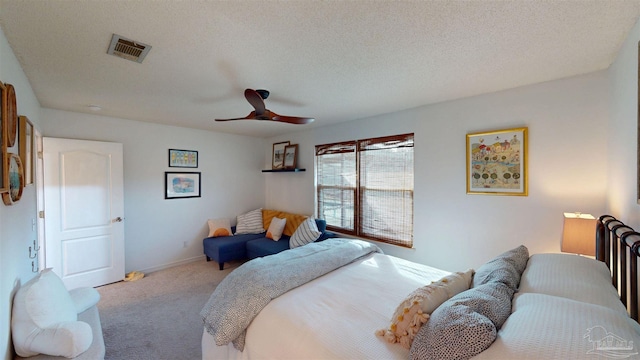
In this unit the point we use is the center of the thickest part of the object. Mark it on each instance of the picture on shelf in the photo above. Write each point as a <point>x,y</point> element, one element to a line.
<point>290,156</point>
<point>277,156</point>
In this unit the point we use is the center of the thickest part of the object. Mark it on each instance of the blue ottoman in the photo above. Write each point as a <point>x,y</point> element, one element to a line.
<point>226,248</point>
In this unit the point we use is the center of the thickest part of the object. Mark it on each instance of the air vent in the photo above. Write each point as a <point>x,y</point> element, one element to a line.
<point>128,49</point>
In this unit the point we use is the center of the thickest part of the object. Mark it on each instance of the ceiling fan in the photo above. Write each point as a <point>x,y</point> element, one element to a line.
<point>256,99</point>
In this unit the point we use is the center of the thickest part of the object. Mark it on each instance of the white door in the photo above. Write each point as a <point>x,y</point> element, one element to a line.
<point>84,211</point>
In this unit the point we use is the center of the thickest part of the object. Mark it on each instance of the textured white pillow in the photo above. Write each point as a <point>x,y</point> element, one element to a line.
<point>48,302</point>
<point>417,307</point>
<point>44,319</point>
<point>219,227</point>
<point>584,279</point>
<point>275,229</point>
<point>306,233</point>
<point>250,223</point>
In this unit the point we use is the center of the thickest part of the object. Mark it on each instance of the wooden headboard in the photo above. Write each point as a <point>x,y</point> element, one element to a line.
<point>618,246</point>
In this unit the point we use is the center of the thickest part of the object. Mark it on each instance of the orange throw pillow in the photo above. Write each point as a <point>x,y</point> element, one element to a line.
<point>293,220</point>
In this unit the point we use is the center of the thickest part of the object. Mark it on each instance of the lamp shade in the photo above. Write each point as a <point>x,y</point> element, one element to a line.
<point>578,234</point>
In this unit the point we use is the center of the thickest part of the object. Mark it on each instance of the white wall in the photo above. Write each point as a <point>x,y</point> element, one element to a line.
<point>155,228</point>
<point>567,121</point>
<point>623,134</point>
<point>16,233</point>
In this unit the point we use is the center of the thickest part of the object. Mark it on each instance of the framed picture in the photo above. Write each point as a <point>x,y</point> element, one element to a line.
<point>290,156</point>
<point>497,162</point>
<point>277,157</point>
<point>10,110</point>
<point>183,158</point>
<point>4,172</point>
<point>179,185</point>
<point>25,148</point>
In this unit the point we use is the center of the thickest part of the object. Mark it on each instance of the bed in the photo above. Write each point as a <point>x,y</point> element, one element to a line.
<point>560,306</point>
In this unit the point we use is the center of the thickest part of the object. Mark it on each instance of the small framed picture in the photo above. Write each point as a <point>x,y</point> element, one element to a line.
<point>183,158</point>
<point>179,185</point>
<point>277,157</point>
<point>290,156</point>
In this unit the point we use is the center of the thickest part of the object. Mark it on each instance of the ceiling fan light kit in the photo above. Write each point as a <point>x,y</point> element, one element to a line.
<point>256,99</point>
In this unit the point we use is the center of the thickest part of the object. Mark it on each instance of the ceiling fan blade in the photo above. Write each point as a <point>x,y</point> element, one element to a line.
<point>254,98</point>
<point>251,116</point>
<point>290,119</point>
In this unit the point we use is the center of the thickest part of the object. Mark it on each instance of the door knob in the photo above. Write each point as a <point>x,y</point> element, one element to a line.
<point>118,219</point>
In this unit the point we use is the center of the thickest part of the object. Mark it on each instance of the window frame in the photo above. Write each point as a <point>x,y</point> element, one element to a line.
<point>358,189</point>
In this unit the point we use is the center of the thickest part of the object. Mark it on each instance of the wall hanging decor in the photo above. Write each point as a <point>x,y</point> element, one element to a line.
<point>16,179</point>
<point>9,98</point>
<point>25,148</point>
<point>497,162</point>
<point>277,157</point>
<point>4,174</point>
<point>183,158</point>
<point>179,185</point>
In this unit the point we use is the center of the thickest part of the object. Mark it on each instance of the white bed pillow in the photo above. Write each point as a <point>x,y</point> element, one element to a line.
<point>250,223</point>
<point>306,233</point>
<point>583,279</point>
<point>550,327</point>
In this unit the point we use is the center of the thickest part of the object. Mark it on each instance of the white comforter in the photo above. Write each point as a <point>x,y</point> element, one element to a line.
<point>358,309</point>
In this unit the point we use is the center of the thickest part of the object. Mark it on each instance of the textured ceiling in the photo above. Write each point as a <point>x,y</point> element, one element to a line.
<point>332,60</point>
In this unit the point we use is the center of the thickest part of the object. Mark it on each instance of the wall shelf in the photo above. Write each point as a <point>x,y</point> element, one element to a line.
<point>284,170</point>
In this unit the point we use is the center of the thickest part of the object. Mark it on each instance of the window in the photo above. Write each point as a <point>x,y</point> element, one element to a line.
<point>365,188</point>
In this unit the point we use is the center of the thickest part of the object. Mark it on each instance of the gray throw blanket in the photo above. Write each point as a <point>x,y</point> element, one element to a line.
<point>248,289</point>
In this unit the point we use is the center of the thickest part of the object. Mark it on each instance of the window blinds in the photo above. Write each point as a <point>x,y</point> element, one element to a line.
<point>365,187</point>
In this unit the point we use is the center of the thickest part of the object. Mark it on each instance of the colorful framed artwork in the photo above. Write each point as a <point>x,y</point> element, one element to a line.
<point>25,148</point>
<point>180,185</point>
<point>277,157</point>
<point>183,158</point>
<point>290,156</point>
<point>497,162</point>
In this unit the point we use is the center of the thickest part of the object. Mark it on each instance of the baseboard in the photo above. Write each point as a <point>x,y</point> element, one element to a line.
<point>170,265</point>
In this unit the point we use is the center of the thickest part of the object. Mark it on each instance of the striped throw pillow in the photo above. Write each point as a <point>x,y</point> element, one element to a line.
<point>250,223</point>
<point>306,233</point>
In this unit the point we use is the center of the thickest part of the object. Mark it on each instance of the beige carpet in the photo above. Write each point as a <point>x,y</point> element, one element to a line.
<point>158,317</point>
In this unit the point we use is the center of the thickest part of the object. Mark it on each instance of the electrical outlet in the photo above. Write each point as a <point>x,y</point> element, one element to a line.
<point>185,244</point>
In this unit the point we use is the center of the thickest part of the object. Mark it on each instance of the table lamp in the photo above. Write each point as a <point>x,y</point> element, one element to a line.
<point>578,234</point>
